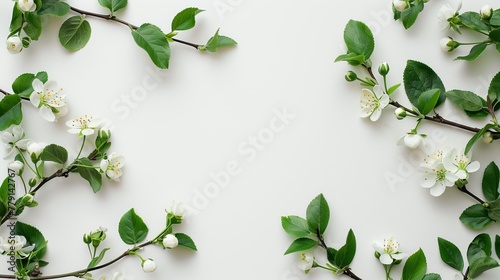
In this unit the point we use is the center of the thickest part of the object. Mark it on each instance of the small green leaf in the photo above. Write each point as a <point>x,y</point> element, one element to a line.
<point>185,19</point>
<point>216,42</point>
<point>186,241</point>
<point>409,16</point>
<point>113,5</point>
<point>478,114</point>
<point>392,89</point>
<point>75,33</point>
<point>54,153</point>
<point>33,236</point>
<point>494,88</point>
<point>33,26</point>
<point>415,266</point>
<point>91,175</point>
<point>346,253</point>
<point>359,39</point>
<point>295,226</point>
<point>301,244</point>
<point>95,261</point>
<point>427,101</point>
<point>465,100</point>
<point>419,78</point>
<point>22,85</point>
<point>476,217</point>
<point>10,111</point>
<point>353,59</point>
<point>16,22</point>
<point>450,254</point>
<point>318,215</point>
<point>4,195</point>
<point>474,21</point>
<point>494,209</point>
<point>432,276</point>
<point>153,41</point>
<point>474,53</point>
<point>491,181</point>
<point>132,228</point>
<point>330,254</point>
<point>56,8</point>
<point>477,136</point>
<point>481,265</point>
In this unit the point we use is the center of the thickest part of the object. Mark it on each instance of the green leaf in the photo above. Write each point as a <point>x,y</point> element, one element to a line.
<point>392,89</point>
<point>432,276</point>
<point>476,217</point>
<point>295,226</point>
<point>479,248</point>
<point>491,180</point>
<point>481,265</point>
<point>330,254</point>
<point>154,42</point>
<point>216,42</point>
<point>185,19</point>
<point>450,254</point>
<point>33,236</point>
<point>495,35</point>
<point>10,111</point>
<point>494,88</point>
<point>476,137</point>
<point>75,33</point>
<point>132,228</point>
<point>91,175</point>
<point>409,16</point>
<point>415,266</point>
<point>16,22</point>
<point>353,59</point>
<point>33,26</point>
<point>494,209</point>
<point>54,153</point>
<point>495,18</point>
<point>113,5</point>
<point>497,47</point>
<point>427,101</point>
<point>497,245</point>
<point>478,114</point>
<point>346,253</point>
<point>359,39</point>
<point>54,7</point>
<point>23,84</point>
<point>474,53</point>
<point>465,100</point>
<point>473,21</point>
<point>95,261</point>
<point>318,215</point>
<point>419,78</point>
<point>186,241</point>
<point>301,244</point>
<point>4,197</point>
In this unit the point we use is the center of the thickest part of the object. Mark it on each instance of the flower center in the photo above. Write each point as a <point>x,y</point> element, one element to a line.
<point>441,175</point>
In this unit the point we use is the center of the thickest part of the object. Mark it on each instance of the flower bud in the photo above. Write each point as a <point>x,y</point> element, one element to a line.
<point>400,6</point>
<point>383,69</point>
<point>400,113</point>
<point>26,5</point>
<point>34,149</point>
<point>86,239</point>
<point>486,12</point>
<point>487,137</point>
<point>177,209</point>
<point>27,199</point>
<point>17,167</point>
<point>32,182</point>
<point>448,44</point>
<point>148,265</point>
<point>14,44</point>
<point>351,76</point>
<point>170,241</point>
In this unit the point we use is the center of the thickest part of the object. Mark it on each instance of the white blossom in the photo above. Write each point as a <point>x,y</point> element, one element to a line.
<point>306,261</point>
<point>486,11</point>
<point>177,209</point>
<point>148,265</point>
<point>447,44</point>
<point>388,250</point>
<point>413,141</point>
<point>83,126</point>
<point>445,14</point>
<point>14,44</point>
<point>14,139</point>
<point>112,166</point>
<point>436,176</point>
<point>116,276</point>
<point>400,6</point>
<point>17,167</point>
<point>26,5</point>
<point>49,99</point>
<point>35,148</point>
<point>170,241</point>
<point>460,164</point>
<point>372,102</point>
<point>16,245</point>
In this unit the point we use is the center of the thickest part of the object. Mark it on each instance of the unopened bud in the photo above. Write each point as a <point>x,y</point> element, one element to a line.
<point>383,69</point>
<point>87,239</point>
<point>487,137</point>
<point>32,182</point>
<point>351,76</point>
<point>27,199</point>
<point>400,113</point>
<point>448,44</point>
<point>486,12</point>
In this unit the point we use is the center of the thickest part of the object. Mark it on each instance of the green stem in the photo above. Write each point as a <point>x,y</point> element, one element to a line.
<point>26,162</point>
<point>473,43</point>
<point>81,148</point>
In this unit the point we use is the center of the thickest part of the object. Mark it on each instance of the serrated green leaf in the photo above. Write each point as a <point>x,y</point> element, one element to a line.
<point>54,153</point>
<point>427,101</point>
<point>351,58</point>
<point>479,248</point>
<point>465,100</point>
<point>91,175</point>
<point>476,137</point>
<point>432,276</point>
<point>491,181</point>
<point>217,41</point>
<point>476,217</point>
<point>494,88</point>
<point>478,114</point>
<point>16,22</point>
<point>33,26</point>
<point>494,209</point>
<point>474,21</point>
<point>359,39</point>
<point>22,85</point>
<point>481,265</point>
<point>409,16</point>
<point>54,7</point>
<point>301,244</point>
<point>186,241</point>
<point>33,236</point>
<point>153,41</point>
<point>419,78</point>
<point>318,215</point>
<point>295,226</point>
<point>495,18</point>
<point>474,53</point>
<point>450,254</point>
<point>346,253</point>
<point>415,266</point>
<point>113,5</point>
<point>185,19</point>
<point>132,228</point>
<point>75,33</point>
<point>495,35</point>
<point>10,111</point>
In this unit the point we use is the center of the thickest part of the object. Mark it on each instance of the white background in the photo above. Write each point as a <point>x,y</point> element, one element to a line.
<point>205,108</point>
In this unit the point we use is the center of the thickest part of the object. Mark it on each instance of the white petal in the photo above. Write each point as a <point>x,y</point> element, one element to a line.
<point>378,246</point>
<point>378,91</point>
<point>47,114</point>
<point>384,101</point>
<point>376,115</point>
<point>88,131</point>
<point>104,165</point>
<point>365,112</point>
<point>412,141</point>
<point>37,85</point>
<point>461,174</point>
<point>50,85</point>
<point>473,166</point>
<point>35,99</point>
<point>428,183</point>
<point>438,190</point>
<point>399,256</point>
<point>385,259</point>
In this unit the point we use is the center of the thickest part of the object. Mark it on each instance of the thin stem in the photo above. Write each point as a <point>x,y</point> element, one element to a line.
<point>132,26</point>
<point>8,93</point>
<point>466,191</point>
<point>26,162</point>
<point>321,240</point>
<point>81,148</point>
<point>466,275</point>
<point>351,274</point>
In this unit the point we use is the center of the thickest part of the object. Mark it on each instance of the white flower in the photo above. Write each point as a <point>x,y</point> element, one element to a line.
<point>116,276</point>
<point>14,44</point>
<point>170,241</point>
<point>27,5</point>
<point>400,6</point>
<point>437,177</point>
<point>148,265</point>
<point>372,102</point>
<point>17,167</point>
<point>48,99</point>
<point>448,44</point>
<point>460,164</point>
<point>35,148</point>
<point>177,209</point>
<point>412,141</point>
<point>388,249</point>
<point>14,138</point>
<point>306,261</point>
<point>486,11</point>
<point>16,245</point>
<point>83,126</point>
<point>445,14</point>
<point>112,166</point>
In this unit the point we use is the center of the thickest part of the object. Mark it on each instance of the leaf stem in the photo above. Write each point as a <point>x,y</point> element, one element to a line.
<point>466,191</point>
<point>8,93</point>
<point>321,240</point>
<point>351,274</point>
